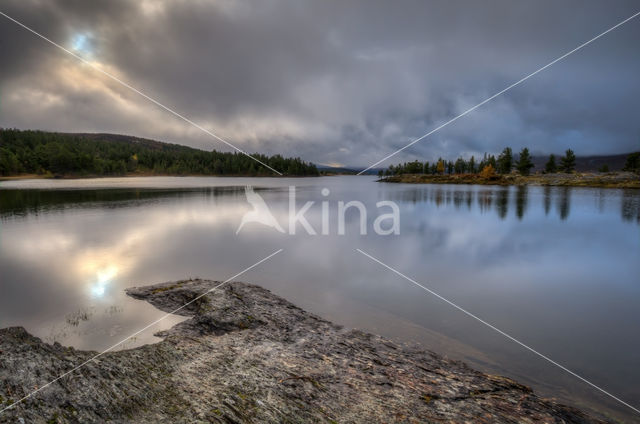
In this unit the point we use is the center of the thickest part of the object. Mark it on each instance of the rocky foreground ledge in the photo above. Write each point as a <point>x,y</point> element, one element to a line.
<point>247,355</point>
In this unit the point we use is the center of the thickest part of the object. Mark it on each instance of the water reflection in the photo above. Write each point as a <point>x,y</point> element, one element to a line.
<point>15,203</point>
<point>630,206</point>
<point>64,255</point>
<point>521,201</point>
<point>547,200</point>
<point>555,266</point>
<point>564,202</point>
<point>502,203</point>
<point>24,202</point>
<point>501,199</point>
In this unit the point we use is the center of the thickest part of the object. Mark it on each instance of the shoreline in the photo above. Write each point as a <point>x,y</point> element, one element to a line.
<point>133,175</point>
<point>247,355</point>
<point>596,180</point>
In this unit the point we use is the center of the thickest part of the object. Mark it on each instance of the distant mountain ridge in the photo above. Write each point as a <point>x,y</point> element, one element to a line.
<point>348,170</point>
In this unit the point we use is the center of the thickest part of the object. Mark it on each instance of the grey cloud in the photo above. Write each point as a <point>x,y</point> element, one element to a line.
<point>345,82</point>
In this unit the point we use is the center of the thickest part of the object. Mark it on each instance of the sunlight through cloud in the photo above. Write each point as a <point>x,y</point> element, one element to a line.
<point>81,42</point>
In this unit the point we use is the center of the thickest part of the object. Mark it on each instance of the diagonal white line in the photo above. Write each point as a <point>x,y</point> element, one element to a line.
<point>498,330</point>
<point>499,93</point>
<point>138,332</point>
<point>135,90</point>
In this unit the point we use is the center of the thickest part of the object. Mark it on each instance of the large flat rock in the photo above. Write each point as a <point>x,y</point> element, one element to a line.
<point>247,355</point>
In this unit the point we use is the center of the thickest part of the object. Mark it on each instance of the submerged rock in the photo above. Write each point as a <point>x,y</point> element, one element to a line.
<point>247,355</point>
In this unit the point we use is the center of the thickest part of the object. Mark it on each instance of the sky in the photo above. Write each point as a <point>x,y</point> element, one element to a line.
<point>333,82</point>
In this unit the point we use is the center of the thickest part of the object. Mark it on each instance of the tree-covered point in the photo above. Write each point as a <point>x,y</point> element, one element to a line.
<point>504,164</point>
<point>40,152</point>
<point>460,166</point>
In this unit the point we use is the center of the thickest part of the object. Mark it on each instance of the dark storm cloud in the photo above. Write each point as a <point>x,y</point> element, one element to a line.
<point>345,82</point>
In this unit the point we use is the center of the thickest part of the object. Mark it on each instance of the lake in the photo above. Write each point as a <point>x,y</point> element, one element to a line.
<point>557,268</point>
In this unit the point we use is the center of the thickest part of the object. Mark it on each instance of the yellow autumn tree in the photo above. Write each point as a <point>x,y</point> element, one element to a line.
<point>488,172</point>
<point>440,167</point>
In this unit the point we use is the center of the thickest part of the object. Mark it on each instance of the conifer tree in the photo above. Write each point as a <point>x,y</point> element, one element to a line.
<point>550,167</point>
<point>524,163</point>
<point>505,161</point>
<point>568,162</point>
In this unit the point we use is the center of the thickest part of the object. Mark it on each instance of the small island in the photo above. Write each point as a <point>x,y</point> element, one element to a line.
<point>505,170</point>
<point>246,355</point>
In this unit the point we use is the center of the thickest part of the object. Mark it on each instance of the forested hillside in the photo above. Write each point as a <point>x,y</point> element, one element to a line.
<point>60,154</point>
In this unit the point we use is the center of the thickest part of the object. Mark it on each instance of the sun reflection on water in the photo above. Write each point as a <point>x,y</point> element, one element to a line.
<point>103,278</point>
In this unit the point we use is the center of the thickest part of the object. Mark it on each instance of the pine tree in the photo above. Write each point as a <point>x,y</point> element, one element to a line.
<point>460,166</point>
<point>550,167</point>
<point>632,163</point>
<point>568,162</point>
<point>524,163</point>
<point>505,161</point>
<point>492,161</point>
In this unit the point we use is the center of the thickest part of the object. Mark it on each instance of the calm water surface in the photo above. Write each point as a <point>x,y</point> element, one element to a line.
<point>556,268</point>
